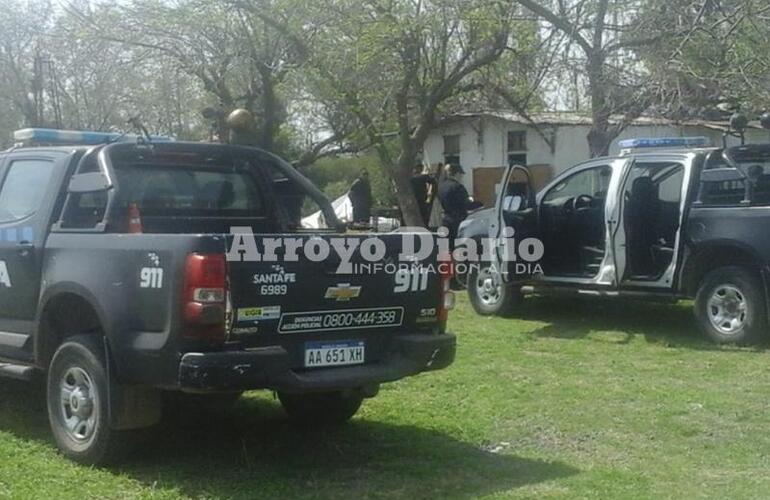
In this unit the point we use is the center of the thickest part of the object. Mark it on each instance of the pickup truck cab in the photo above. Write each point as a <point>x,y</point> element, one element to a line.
<point>122,282</point>
<point>687,222</point>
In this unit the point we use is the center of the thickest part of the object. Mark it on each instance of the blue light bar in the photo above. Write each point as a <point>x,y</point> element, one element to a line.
<point>54,136</point>
<point>665,142</point>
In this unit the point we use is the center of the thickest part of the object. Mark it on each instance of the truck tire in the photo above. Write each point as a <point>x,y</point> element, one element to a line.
<point>730,306</point>
<point>323,408</point>
<point>489,295</point>
<point>78,410</point>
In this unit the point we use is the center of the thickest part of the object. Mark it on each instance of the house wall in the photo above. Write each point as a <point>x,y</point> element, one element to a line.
<point>483,143</point>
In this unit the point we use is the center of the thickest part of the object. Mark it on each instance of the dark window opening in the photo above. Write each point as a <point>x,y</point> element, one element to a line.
<point>452,149</point>
<point>517,140</point>
<point>174,198</point>
<point>517,159</point>
<point>85,210</point>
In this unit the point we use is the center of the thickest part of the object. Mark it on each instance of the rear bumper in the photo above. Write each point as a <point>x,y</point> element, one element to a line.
<point>268,367</point>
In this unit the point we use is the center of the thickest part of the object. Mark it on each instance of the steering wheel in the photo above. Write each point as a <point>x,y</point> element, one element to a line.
<point>582,201</point>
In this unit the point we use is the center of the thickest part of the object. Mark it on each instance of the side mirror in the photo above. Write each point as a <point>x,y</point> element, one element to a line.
<point>512,203</point>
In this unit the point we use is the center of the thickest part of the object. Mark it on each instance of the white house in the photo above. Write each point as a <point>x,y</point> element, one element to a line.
<point>548,143</point>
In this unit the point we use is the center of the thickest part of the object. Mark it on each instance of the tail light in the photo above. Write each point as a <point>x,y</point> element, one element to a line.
<point>205,297</point>
<point>446,295</point>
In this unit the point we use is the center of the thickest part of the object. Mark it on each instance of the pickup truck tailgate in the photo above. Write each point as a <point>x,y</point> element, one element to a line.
<point>300,304</point>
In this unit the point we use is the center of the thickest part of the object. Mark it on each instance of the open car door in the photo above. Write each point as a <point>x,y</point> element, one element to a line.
<point>650,214</point>
<point>516,218</point>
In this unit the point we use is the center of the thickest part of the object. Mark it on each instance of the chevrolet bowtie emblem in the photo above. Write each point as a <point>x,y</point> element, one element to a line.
<point>342,292</point>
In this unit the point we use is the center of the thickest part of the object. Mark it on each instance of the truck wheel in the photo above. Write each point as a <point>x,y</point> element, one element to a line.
<point>730,306</point>
<point>323,408</point>
<point>490,295</point>
<point>77,395</point>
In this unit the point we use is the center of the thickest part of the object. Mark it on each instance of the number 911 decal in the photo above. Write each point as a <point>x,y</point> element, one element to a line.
<point>411,280</point>
<point>151,276</point>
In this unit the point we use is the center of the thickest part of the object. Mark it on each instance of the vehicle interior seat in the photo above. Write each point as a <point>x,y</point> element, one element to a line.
<point>215,195</point>
<point>593,246</point>
<point>157,198</point>
<point>641,219</point>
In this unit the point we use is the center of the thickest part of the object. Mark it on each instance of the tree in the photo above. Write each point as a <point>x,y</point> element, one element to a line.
<point>20,90</point>
<point>517,80</point>
<point>724,64</point>
<point>51,75</point>
<point>236,60</point>
<point>601,40</point>
<point>101,84</point>
<point>394,66</point>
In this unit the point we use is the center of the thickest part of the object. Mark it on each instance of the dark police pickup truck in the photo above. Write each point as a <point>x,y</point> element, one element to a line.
<point>115,281</point>
<point>681,221</point>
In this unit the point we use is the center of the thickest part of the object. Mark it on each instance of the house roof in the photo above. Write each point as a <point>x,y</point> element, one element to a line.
<point>573,118</point>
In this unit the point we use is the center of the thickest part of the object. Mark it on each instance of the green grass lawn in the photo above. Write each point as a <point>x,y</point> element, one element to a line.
<point>578,399</point>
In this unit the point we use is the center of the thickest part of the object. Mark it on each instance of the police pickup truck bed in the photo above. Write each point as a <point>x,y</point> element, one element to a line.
<point>121,279</point>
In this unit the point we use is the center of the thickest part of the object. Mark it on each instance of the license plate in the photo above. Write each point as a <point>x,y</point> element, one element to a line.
<point>334,353</point>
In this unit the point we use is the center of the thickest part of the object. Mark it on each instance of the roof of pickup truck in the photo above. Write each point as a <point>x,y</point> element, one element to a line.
<point>39,136</point>
<point>190,146</point>
<point>57,149</point>
<point>46,139</point>
<point>682,151</point>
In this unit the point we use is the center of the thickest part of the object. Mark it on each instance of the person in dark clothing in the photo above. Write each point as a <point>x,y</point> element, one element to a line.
<point>360,195</point>
<point>424,188</point>
<point>455,201</point>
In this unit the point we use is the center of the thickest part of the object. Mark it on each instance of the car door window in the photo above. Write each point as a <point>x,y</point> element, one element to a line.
<point>85,210</point>
<point>23,189</point>
<point>671,187</point>
<point>591,182</point>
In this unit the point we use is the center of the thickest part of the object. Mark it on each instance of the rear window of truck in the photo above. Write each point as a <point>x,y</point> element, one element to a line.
<point>188,199</point>
<point>159,190</point>
<point>755,161</point>
<point>178,191</point>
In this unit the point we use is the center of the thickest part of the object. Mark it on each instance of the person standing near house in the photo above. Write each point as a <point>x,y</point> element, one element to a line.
<point>455,200</point>
<point>360,195</point>
<point>424,189</point>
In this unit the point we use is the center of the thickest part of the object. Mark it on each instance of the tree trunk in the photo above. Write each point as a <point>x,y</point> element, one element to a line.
<point>402,176</point>
<point>598,137</point>
<point>270,110</point>
<point>599,140</point>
